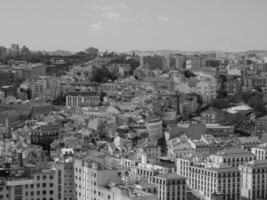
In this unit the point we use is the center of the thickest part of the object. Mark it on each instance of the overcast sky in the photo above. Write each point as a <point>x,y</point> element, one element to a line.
<point>123,25</point>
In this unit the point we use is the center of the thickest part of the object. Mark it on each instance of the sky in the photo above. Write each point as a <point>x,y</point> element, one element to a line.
<point>124,25</point>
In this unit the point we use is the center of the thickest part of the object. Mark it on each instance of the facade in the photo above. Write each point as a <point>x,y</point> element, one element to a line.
<point>233,86</point>
<point>44,134</point>
<point>220,131</point>
<point>261,125</point>
<point>14,49</point>
<point>255,81</point>
<point>154,128</point>
<point>3,52</point>
<point>253,180</point>
<point>232,157</point>
<point>209,180</point>
<point>22,183</point>
<point>170,186</point>
<point>2,96</point>
<point>91,177</point>
<point>260,151</point>
<point>76,99</point>
<point>207,89</point>
<point>212,116</point>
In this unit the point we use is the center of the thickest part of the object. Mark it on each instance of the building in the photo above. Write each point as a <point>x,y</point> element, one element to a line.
<point>3,53</point>
<point>247,143</point>
<point>170,186</point>
<point>260,151</point>
<point>207,89</point>
<point>232,157</point>
<point>261,125</point>
<point>253,180</point>
<point>255,81</point>
<point>19,182</point>
<point>153,62</point>
<point>91,177</point>
<point>76,99</point>
<point>207,180</point>
<point>44,134</point>
<point>220,131</point>
<point>154,128</point>
<point>212,116</point>
<point>233,86</point>
<point>14,50</point>
<point>2,96</point>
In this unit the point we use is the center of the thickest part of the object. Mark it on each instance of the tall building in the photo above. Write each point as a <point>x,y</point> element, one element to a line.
<point>170,186</point>
<point>14,50</point>
<point>253,180</point>
<point>3,53</point>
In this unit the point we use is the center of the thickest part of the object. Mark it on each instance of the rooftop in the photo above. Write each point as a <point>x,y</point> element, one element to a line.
<point>170,176</point>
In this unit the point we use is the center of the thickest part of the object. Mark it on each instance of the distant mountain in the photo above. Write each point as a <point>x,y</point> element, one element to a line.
<point>60,53</point>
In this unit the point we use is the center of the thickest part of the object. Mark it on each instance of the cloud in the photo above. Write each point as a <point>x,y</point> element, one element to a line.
<point>107,8</point>
<point>112,15</point>
<point>101,8</point>
<point>97,26</point>
<point>123,5</point>
<point>127,20</point>
<point>164,19</point>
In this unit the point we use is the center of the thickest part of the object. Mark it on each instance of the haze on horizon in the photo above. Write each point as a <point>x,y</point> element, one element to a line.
<point>124,25</point>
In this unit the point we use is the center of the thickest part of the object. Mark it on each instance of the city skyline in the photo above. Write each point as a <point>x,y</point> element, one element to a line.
<point>125,25</point>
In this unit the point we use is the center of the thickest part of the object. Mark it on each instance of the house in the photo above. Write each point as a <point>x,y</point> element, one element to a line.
<point>212,116</point>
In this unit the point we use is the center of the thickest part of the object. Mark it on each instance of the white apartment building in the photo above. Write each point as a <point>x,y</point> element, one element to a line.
<point>207,180</point>
<point>232,157</point>
<point>260,151</point>
<point>207,88</point>
<point>91,177</point>
<point>254,180</point>
<point>170,186</point>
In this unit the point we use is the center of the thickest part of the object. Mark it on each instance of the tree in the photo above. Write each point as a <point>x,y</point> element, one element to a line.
<point>102,75</point>
<point>257,103</point>
<point>188,74</point>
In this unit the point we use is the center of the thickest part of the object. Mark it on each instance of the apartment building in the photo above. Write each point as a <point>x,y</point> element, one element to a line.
<point>154,127</point>
<point>170,186</point>
<point>261,125</point>
<point>91,177</point>
<point>254,180</point>
<point>207,88</point>
<point>20,182</point>
<point>260,151</point>
<point>232,157</point>
<point>208,180</point>
<point>76,99</point>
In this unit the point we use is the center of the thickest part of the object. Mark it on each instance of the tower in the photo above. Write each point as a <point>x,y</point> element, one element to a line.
<point>7,132</point>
